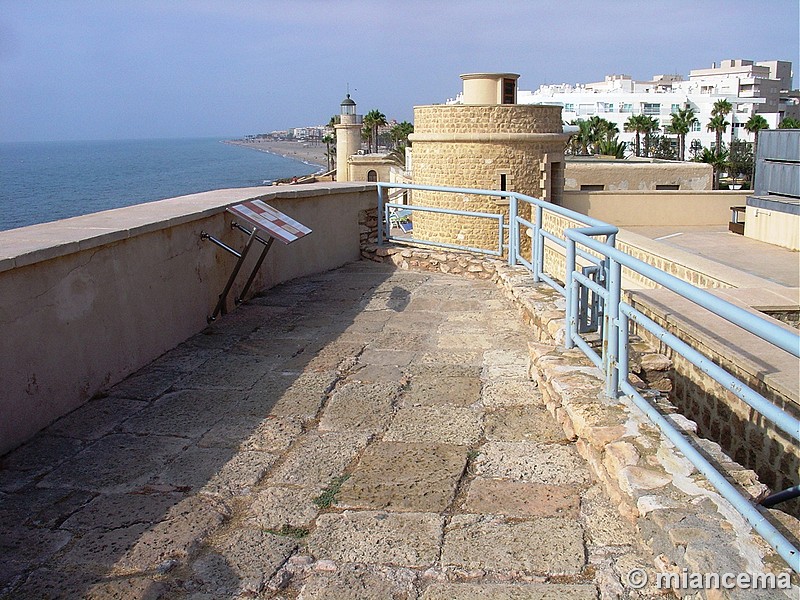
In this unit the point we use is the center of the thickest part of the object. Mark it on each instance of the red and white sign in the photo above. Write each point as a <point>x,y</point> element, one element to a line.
<point>274,222</point>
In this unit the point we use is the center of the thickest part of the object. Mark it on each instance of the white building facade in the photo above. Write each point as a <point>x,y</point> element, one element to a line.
<point>751,88</point>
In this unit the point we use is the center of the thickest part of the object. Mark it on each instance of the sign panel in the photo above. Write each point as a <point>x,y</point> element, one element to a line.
<point>266,218</point>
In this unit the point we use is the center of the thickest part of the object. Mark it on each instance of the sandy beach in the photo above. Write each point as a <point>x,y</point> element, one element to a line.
<point>306,152</point>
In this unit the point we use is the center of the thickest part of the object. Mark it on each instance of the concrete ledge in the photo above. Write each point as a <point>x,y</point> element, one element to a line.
<point>690,267</point>
<point>28,245</point>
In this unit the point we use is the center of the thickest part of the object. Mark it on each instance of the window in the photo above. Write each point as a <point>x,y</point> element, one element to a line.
<point>586,109</point>
<point>626,108</point>
<point>556,181</point>
<point>696,126</point>
<point>372,175</point>
<point>509,91</point>
<point>651,108</point>
<point>667,186</point>
<point>605,107</point>
<point>569,107</point>
<point>675,108</point>
<point>591,187</point>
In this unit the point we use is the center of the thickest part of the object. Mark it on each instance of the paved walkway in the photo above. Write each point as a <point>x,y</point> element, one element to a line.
<point>363,433</point>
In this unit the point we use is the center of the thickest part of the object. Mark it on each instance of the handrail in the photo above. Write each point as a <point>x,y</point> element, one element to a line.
<point>616,317</point>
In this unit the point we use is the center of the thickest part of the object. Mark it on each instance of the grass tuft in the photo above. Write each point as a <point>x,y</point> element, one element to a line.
<point>328,495</point>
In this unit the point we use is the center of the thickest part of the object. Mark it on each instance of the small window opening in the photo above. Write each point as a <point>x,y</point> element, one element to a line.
<point>509,91</point>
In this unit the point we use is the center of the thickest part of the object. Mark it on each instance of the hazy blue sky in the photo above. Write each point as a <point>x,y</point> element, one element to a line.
<point>170,68</point>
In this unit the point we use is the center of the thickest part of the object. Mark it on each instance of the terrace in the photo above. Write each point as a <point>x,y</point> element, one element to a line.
<point>354,430</point>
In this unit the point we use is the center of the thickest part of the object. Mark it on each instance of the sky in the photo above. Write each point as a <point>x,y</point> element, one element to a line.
<point>118,69</point>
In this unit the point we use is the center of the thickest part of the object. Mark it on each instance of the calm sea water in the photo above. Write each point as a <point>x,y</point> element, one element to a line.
<point>47,181</point>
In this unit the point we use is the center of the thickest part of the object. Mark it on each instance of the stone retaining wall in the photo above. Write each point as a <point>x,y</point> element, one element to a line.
<point>685,523</point>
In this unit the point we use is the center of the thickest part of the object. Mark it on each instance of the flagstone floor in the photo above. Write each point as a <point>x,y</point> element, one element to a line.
<point>362,433</point>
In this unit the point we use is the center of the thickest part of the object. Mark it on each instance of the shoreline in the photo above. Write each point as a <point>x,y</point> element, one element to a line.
<point>304,152</point>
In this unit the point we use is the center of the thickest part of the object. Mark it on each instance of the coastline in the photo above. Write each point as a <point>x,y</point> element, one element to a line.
<point>305,152</point>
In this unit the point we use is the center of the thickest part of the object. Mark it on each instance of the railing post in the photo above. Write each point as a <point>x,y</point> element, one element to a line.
<point>572,295</point>
<point>622,345</point>
<point>611,333</point>
<point>380,215</point>
<point>513,231</point>
<point>537,245</point>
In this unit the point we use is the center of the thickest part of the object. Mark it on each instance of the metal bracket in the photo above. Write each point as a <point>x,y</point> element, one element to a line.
<point>221,304</point>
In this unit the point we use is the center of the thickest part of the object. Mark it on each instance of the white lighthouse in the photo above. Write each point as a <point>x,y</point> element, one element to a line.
<point>348,138</point>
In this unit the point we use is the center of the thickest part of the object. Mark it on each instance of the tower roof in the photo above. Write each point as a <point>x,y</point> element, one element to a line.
<point>348,101</point>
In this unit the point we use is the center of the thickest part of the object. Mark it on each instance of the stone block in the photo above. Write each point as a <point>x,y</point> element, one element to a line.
<point>241,563</point>
<point>437,389</point>
<point>317,459</point>
<point>399,539</point>
<point>511,392</point>
<point>404,476</point>
<point>522,424</point>
<point>117,462</point>
<point>277,507</point>
<point>359,582</point>
<point>436,424</point>
<point>604,524</point>
<point>363,407</point>
<point>521,500</point>
<point>634,480</point>
<point>655,362</point>
<point>619,455</point>
<point>553,464</point>
<point>551,545</point>
<point>505,591</point>
<point>176,536</point>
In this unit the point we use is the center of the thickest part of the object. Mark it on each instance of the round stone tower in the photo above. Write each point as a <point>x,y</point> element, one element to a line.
<point>348,138</point>
<point>486,142</point>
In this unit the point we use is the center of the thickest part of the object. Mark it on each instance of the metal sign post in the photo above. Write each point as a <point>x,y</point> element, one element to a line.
<point>265,219</point>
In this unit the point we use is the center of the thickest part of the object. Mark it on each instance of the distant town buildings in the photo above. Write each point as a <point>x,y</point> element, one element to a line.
<point>762,88</point>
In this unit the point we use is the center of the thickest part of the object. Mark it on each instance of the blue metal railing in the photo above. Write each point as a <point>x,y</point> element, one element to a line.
<point>581,243</point>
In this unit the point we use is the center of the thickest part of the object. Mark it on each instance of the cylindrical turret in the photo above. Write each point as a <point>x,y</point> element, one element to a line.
<point>484,143</point>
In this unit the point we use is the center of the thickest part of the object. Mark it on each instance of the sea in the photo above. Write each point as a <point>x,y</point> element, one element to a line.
<point>47,181</point>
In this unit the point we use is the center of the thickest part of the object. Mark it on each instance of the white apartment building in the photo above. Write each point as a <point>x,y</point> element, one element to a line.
<point>760,87</point>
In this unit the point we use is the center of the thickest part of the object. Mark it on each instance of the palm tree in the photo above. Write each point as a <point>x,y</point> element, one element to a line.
<point>721,109</point>
<point>611,147</point>
<point>650,125</point>
<point>581,140</point>
<point>600,130</point>
<point>328,140</point>
<point>637,124</point>
<point>682,122</point>
<point>789,123</point>
<point>718,125</point>
<point>373,120</point>
<point>399,134</point>
<point>755,124</point>
<point>718,159</point>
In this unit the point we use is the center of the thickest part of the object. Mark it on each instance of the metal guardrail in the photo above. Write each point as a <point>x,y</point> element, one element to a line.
<point>581,242</point>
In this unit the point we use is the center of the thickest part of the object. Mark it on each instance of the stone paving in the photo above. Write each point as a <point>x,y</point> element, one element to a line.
<point>362,433</point>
